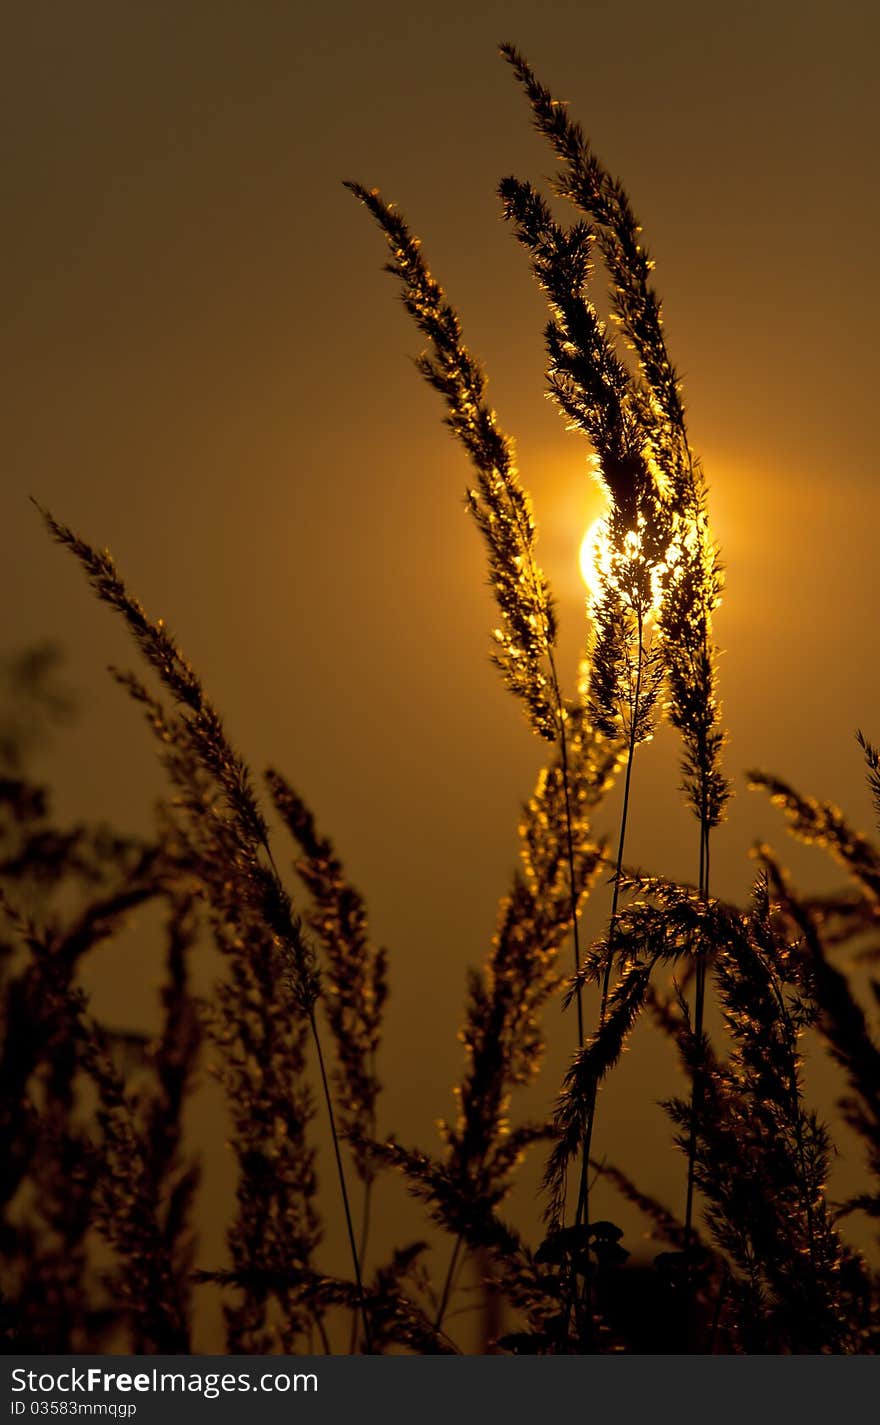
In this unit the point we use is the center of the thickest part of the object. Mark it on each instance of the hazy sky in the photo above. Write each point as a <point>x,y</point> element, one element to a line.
<point>208,372</point>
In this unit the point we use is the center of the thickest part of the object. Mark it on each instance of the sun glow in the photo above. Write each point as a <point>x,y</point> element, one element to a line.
<point>595,557</point>
<point>597,563</point>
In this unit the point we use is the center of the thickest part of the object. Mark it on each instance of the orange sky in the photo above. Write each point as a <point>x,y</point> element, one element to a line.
<point>207,371</point>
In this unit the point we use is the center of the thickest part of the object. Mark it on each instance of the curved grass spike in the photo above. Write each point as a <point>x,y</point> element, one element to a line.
<point>820,824</point>
<point>657,403</point>
<point>594,391</point>
<point>635,304</point>
<point>237,863</point>
<point>693,588</point>
<point>526,640</point>
<point>256,1022</point>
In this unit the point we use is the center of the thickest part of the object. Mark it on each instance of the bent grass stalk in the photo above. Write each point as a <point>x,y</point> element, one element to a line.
<point>499,505</point>
<point>595,392</point>
<point>503,513</point>
<point>202,736</point>
<point>637,308</point>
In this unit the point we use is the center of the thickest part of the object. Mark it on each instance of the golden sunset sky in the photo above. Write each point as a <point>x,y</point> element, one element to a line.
<point>207,371</point>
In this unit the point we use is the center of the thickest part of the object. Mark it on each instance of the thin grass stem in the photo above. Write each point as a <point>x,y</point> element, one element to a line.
<point>569,839</point>
<point>582,1214</point>
<point>698,1087</point>
<point>448,1283</point>
<point>362,1248</point>
<point>341,1172</point>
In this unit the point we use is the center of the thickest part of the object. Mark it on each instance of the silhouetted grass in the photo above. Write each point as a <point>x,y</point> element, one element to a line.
<point>100,1195</point>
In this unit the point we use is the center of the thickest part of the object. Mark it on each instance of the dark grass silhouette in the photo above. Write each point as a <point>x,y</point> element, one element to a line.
<point>99,1194</point>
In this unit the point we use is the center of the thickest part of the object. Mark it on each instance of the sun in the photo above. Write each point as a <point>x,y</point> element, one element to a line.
<point>600,570</point>
<point>595,557</point>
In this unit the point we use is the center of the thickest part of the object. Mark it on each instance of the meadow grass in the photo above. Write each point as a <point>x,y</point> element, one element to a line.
<point>98,1169</point>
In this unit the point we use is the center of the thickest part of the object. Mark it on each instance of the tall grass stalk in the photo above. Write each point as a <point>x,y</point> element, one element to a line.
<point>198,755</point>
<point>583,1206</point>
<point>594,391</point>
<point>525,643</point>
<point>693,584</point>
